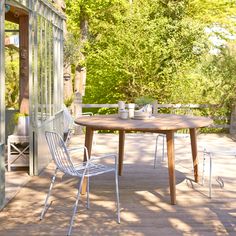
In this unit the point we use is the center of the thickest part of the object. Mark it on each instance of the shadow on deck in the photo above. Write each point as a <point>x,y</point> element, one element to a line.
<point>144,196</point>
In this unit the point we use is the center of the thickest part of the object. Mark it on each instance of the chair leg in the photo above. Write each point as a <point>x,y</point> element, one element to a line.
<point>210,176</point>
<point>75,205</point>
<point>204,166</point>
<point>163,150</point>
<point>88,201</point>
<point>49,193</point>
<point>155,157</point>
<point>117,196</point>
<point>205,153</point>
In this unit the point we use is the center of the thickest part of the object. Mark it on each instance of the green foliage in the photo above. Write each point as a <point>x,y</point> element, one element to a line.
<point>158,49</point>
<point>144,54</point>
<point>11,72</point>
<point>17,115</point>
<point>220,77</point>
<point>69,101</point>
<point>106,111</point>
<point>71,45</point>
<point>12,78</point>
<point>213,11</point>
<point>142,101</point>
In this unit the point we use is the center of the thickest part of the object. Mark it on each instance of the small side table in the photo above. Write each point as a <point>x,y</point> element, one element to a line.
<point>17,156</point>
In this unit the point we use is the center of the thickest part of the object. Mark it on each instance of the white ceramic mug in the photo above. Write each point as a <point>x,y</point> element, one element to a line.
<point>124,114</point>
<point>131,107</point>
<point>121,105</point>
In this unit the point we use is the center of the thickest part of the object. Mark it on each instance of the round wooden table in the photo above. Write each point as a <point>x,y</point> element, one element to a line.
<point>161,123</point>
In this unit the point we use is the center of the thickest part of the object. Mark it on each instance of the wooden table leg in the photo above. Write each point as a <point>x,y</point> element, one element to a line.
<point>171,165</point>
<point>193,138</point>
<point>88,140</point>
<point>88,145</point>
<point>121,150</point>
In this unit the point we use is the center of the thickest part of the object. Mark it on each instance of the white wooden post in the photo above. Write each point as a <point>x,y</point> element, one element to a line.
<point>78,109</point>
<point>232,128</point>
<point>155,107</point>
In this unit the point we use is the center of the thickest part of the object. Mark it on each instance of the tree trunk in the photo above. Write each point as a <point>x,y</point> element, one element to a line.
<point>80,71</point>
<point>68,87</point>
<point>80,75</point>
<point>233,122</point>
<point>24,65</point>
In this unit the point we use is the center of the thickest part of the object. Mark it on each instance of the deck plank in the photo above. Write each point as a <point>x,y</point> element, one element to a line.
<point>144,196</point>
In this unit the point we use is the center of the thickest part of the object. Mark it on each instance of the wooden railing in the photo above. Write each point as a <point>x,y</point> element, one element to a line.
<point>157,105</point>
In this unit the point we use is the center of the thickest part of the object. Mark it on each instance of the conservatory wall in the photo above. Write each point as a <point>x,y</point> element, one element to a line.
<point>41,70</point>
<point>2,106</point>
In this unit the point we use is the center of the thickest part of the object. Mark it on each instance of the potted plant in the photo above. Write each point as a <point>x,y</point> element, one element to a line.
<point>68,101</point>
<point>144,104</point>
<point>143,101</point>
<point>21,121</point>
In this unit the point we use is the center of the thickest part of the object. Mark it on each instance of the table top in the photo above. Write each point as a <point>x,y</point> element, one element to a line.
<point>160,122</point>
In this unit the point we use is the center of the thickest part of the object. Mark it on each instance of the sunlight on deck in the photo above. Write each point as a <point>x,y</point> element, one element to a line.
<point>144,195</point>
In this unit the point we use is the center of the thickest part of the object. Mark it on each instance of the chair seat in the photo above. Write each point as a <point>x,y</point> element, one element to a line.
<point>93,169</point>
<point>222,152</point>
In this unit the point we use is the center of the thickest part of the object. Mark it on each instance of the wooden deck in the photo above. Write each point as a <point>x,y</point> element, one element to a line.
<point>144,196</point>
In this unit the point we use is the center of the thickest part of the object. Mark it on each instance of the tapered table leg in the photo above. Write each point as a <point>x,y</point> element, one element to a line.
<point>193,138</point>
<point>121,150</point>
<point>88,145</point>
<point>88,140</point>
<point>171,165</point>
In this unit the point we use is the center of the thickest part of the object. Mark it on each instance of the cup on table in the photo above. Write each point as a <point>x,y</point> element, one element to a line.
<point>124,114</point>
<point>131,107</point>
<point>121,105</point>
<point>148,109</point>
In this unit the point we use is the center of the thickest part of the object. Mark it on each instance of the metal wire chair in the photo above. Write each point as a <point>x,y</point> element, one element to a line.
<point>183,134</point>
<point>208,155</point>
<point>163,139</point>
<point>88,168</point>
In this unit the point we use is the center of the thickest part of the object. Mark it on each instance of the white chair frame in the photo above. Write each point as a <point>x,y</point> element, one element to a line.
<point>209,155</point>
<point>162,137</point>
<point>88,168</point>
<point>70,125</point>
<point>185,134</point>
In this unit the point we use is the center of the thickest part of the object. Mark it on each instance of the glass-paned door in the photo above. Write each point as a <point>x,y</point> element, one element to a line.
<point>2,103</point>
<point>47,80</point>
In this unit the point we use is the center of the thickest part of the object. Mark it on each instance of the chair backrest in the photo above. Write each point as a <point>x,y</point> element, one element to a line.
<point>68,119</point>
<point>60,153</point>
<point>69,125</point>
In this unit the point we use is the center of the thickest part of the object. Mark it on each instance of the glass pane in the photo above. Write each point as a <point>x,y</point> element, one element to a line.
<point>50,68</point>
<point>2,79</point>
<point>12,65</point>
<point>45,69</point>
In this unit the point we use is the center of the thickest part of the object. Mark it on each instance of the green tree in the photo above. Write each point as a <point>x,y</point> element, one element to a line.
<point>155,48</point>
<point>220,71</point>
<point>146,52</point>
